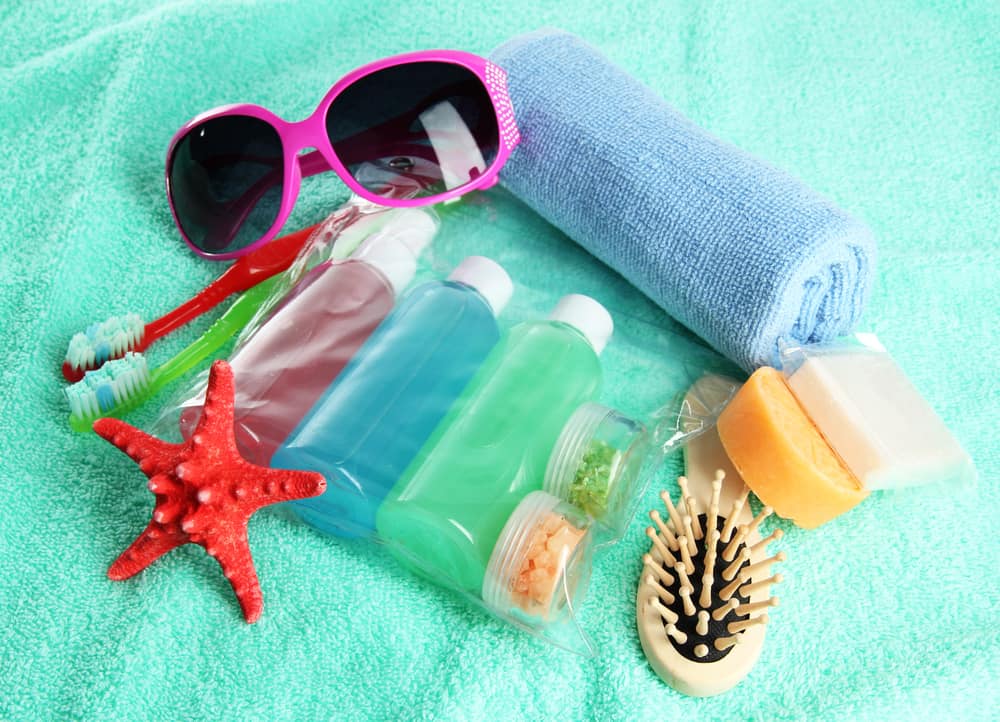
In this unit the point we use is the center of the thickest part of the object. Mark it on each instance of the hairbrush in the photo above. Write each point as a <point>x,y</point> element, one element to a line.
<point>705,588</point>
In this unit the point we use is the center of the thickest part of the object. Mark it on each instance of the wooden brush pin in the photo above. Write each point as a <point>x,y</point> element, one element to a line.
<point>707,579</point>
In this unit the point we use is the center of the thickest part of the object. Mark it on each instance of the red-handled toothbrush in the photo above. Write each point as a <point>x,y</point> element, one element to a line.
<point>102,342</point>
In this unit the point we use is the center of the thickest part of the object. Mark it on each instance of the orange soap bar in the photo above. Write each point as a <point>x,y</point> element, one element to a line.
<point>782,456</point>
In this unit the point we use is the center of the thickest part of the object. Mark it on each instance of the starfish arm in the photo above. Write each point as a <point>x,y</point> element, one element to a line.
<point>152,544</point>
<point>278,485</point>
<point>153,455</point>
<point>233,555</point>
<point>218,413</point>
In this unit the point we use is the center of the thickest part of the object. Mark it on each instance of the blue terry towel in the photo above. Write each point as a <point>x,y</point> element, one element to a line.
<point>740,252</point>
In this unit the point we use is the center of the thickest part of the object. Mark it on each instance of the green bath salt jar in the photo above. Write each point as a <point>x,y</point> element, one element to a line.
<point>597,462</point>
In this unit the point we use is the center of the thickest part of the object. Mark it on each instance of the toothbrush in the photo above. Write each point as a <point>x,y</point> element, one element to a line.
<point>123,384</point>
<point>102,342</point>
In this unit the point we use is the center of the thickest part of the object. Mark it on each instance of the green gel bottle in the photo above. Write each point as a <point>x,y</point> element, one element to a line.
<point>445,514</point>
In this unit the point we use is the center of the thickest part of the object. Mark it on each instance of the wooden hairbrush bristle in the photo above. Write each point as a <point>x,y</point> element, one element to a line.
<point>702,597</point>
<point>707,580</point>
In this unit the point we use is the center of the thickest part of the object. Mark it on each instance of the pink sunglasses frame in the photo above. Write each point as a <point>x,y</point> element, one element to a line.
<point>311,132</point>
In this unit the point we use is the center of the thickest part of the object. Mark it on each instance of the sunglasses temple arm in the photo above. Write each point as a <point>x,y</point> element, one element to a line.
<point>312,164</point>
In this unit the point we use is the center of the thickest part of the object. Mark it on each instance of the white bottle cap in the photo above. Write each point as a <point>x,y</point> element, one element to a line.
<point>392,257</point>
<point>587,316</point>
<point>487,277</point>
<point>394,248</point>
<point>413,223</point>
<point>412,226</point>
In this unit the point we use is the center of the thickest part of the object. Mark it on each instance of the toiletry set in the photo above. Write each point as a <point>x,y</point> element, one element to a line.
<point>396,404</point>
<point>457,443</point>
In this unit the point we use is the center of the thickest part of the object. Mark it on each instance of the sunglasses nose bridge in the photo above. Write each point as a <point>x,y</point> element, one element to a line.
<point>300,136</point>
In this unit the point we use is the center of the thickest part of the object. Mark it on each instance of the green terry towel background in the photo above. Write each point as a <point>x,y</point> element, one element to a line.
<point>890,612</point>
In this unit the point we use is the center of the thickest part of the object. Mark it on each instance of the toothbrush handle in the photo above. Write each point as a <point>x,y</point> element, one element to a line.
<point>228,325</point>
<point>246,272</point>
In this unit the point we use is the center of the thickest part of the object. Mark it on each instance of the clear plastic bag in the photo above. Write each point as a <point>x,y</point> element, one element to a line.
<point>471,423</point>
<point>836,422</point>
<point>872,416</point>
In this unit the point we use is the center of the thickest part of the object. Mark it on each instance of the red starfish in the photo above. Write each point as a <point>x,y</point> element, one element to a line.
<point>205,492</point>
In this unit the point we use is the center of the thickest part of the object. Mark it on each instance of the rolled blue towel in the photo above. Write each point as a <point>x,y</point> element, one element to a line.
<point>740,252</point>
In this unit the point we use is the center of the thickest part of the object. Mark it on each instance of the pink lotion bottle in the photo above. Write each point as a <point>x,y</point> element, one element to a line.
<point>291,359</point>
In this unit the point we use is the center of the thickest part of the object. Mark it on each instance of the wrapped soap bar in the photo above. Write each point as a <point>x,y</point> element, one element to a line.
<point>837,422</point>
<point>873,417</point>
<point>782,457</point>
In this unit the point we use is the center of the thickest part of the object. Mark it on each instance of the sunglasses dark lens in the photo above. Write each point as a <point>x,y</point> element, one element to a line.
<point>226,179</point>
<point>418,129</point>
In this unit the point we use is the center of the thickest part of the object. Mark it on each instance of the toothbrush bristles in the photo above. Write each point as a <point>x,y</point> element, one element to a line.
<point>102,342</point>
<point>112,388</point>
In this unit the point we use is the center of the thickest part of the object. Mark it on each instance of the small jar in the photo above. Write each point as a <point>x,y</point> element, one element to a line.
<point>540,567</point>
<point>596,464</point>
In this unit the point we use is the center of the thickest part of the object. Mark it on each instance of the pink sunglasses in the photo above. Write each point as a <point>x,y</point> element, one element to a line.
<point>409,130</point>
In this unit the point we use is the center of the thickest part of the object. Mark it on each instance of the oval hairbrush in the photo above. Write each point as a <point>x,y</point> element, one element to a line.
<point>705,587</point>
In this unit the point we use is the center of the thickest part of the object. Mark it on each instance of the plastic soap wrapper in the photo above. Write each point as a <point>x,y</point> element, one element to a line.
<point>873,417</point>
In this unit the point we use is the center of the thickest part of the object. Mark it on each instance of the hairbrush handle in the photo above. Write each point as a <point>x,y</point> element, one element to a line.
<point>246,272</point>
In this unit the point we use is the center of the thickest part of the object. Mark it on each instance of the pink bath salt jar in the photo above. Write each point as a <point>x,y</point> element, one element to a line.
<point>540,565</point>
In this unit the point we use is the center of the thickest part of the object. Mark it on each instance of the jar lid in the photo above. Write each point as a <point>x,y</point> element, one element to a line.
<point>540,565</point>
<point>596,463</point>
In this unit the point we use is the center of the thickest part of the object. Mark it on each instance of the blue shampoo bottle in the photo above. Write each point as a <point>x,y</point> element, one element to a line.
<point>370,423</point>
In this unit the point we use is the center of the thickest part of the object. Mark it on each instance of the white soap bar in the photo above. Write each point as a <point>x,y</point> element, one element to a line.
<point>876,421</point>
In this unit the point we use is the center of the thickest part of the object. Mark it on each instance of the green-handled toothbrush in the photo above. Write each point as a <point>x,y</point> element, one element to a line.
<point>124,384</point>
